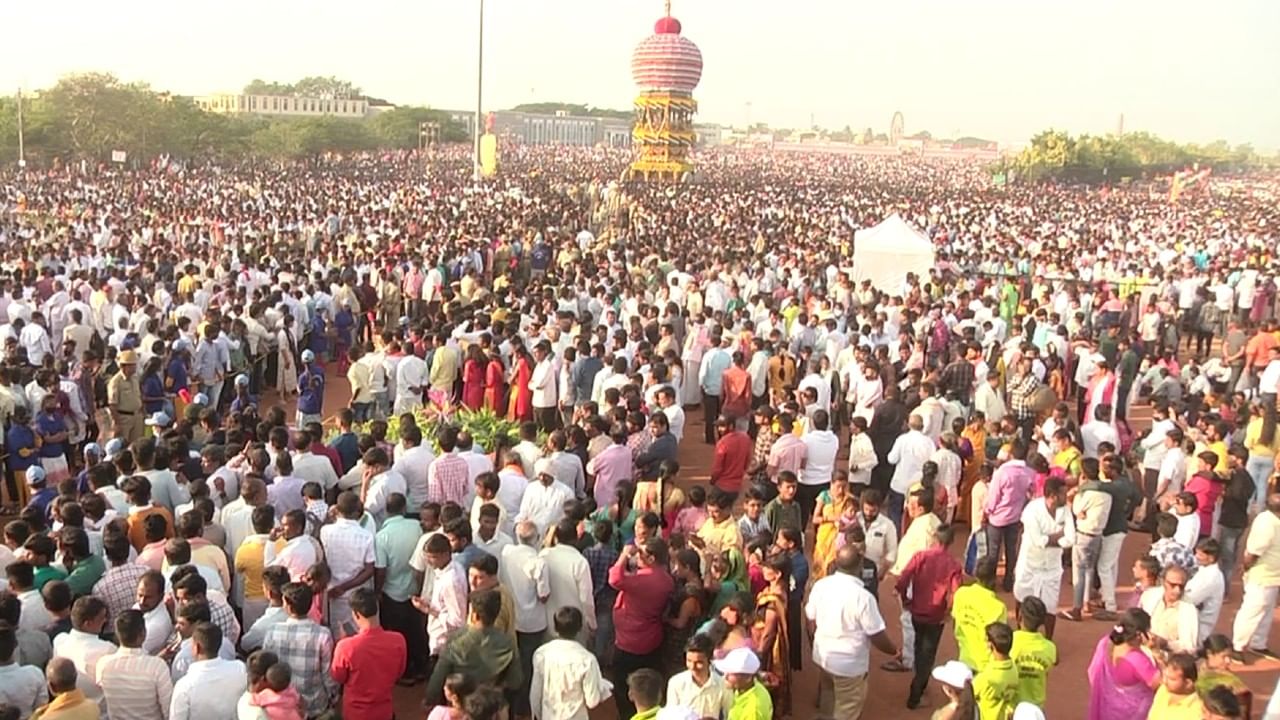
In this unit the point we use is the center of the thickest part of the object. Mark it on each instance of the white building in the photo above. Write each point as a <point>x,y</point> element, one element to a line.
<point>236,104</point>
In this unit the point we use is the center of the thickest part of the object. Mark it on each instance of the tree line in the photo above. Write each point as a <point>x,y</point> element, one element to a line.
<point>1054,154</point>
<point>88,116</point>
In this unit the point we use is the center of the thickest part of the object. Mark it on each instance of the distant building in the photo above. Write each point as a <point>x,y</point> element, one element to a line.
<point>561,128</point>
<point>241,104</point>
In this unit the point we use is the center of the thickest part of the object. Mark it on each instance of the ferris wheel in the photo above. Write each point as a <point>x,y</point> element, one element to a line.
<point>896,128</point>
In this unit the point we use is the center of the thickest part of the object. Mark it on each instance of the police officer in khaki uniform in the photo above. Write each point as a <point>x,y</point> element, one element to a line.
<point>124,398</point>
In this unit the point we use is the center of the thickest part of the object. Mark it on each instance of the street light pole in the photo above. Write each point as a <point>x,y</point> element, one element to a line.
<point>22,153</point>
<point>479,93</point>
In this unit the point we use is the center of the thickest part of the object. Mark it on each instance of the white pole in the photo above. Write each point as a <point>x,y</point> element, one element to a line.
<point>22,153</point>
<point>479,92</point>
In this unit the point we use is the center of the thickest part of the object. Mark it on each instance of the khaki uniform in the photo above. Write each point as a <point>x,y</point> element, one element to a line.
<point>124,398</point>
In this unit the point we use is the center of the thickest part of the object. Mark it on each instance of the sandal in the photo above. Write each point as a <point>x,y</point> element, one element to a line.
<point>1073,615</point>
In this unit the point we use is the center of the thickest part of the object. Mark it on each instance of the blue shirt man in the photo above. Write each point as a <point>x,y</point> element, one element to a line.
<point>310,386</point>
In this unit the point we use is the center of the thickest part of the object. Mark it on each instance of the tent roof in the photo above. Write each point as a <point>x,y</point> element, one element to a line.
<point>893,233</point>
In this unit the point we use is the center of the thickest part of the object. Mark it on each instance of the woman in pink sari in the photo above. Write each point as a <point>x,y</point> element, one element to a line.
<point>1122,678</point>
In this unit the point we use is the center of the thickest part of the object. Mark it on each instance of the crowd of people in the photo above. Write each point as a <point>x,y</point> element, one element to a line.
<point>943,451</point>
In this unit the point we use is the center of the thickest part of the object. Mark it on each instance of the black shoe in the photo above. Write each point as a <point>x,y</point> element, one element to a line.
<point>1265,653</point>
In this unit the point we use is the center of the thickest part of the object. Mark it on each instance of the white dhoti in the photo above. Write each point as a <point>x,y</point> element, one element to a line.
<point>1044,584</point>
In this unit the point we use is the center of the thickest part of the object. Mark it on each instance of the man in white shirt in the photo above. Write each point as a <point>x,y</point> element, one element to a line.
<point>844,621</point>
<point>1173,469</point>
<point>299,551</point>
<point>987,399</point>
<point>524,574</point>
<point>565,680</point>
<point>154,612</point>
<point>697,688</point>
<point>412,376</point>
<point>1154,449</point>
<point>820,449</point>
<point>543,384</point>
<point>673,411</point>
<point>84,648</point>
<point>446,605</point>
<point>881,543</point>
<point>1038,571</point>
<point>1173,619</point>
<point>212,685</point>
<point>543,501</point>
<point>1099,430</point>
<point>1206,588</point>
<point>348,549</point>
<point>309,466</point>
<point>1261,580</point>
<point>908,455</point>
<point>862,454</point>
<point>569,576</point>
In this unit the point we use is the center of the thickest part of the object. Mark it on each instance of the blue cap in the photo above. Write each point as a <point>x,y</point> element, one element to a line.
<point>159,419</point>
<point>115,446</point>
<point>308,356</point>
<point>200,399</point>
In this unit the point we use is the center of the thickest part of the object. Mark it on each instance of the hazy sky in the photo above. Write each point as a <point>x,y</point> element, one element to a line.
<point>1192,71</point>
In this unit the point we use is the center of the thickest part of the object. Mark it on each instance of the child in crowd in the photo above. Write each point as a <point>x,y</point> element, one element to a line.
<point>753,522</point>
<point>276,696</point>
<point>784,510</point>
<point>315,507</point>
<point>690,517</point>
<point>1185,508</point>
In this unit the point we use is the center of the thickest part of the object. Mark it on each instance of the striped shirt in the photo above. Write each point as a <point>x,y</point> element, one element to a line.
<point>448,480</point>
<point>348,548</point>
<point>136,685</point>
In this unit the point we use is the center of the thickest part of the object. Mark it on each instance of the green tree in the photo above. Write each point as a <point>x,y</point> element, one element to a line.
<point>398,127</point>
<point>262,87</point>
<point>326,87</point>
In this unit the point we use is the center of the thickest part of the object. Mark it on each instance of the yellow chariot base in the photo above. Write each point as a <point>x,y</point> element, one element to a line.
<point>659,170</point>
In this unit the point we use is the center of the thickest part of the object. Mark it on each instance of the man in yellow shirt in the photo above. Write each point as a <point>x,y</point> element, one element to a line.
<point>751,700</point>
<point>975,608</point>
<point>1033,654</point>
<point>249,564</point>
<point>995,688</point>
<point>1177,698</point>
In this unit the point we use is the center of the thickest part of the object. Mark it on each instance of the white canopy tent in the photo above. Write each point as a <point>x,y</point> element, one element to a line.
<point>884,254</point>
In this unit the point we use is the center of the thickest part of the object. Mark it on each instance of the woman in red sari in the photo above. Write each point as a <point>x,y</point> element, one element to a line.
<point>473,376</point>
<point>521,405</point>
<point>495,381</point>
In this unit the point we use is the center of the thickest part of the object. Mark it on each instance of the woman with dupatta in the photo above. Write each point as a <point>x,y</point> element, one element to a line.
<point>769,632</point>
<point>495,382</point>
<point>834,505</point>
<point>975,436</point>
<point>727,576</point>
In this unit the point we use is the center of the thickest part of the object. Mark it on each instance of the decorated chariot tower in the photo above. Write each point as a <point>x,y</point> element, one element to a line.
<point>666,66</point>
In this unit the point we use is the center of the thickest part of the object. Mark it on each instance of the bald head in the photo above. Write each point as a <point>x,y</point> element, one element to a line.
<point>916,422</point>
<point>254,491</point>
<point>849,560</point>
<point>61,675</point>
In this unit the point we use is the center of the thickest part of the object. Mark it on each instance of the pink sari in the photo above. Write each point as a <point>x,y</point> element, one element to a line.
<point>1120,691</point>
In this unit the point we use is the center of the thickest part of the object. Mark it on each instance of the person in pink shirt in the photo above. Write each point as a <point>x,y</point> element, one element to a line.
<point>612,466</point>
<point>1207,486</point>
<point>1010,489</point>
<point>691,516</point>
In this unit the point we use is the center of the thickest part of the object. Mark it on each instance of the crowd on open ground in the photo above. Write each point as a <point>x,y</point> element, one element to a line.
<point>203,532</point>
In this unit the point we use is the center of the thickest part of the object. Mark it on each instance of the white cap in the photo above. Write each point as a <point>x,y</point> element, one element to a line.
<point>308,356</point>
<point>953,673</point>
<point>159,419</point>
<point>1027,711</point>
<point>739,661</point>
<point>542,467</point>
<point>35,475</point>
